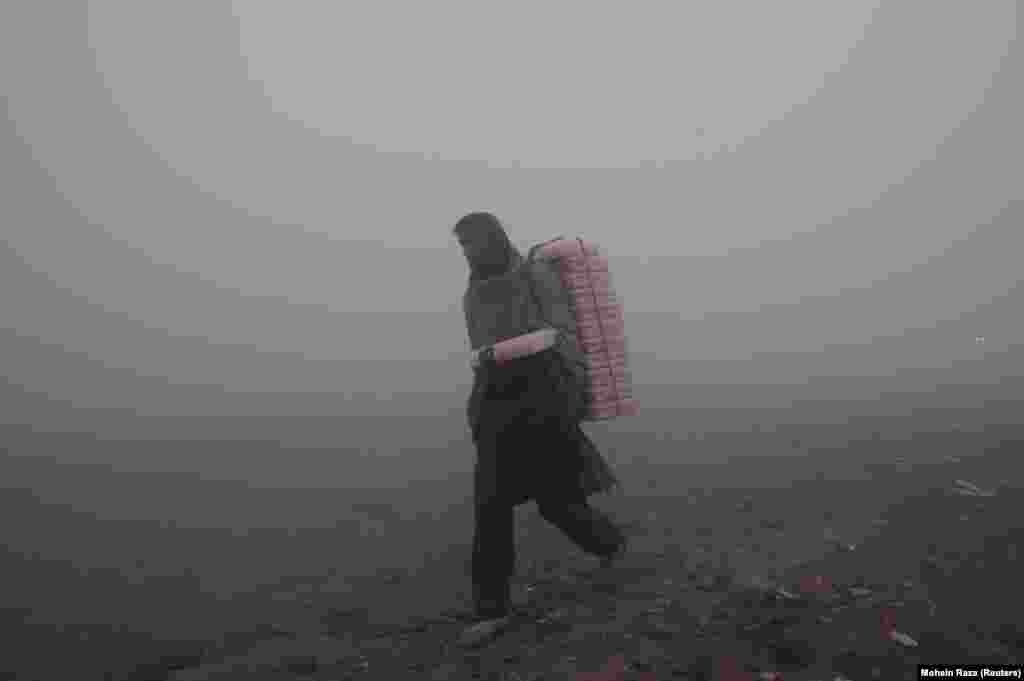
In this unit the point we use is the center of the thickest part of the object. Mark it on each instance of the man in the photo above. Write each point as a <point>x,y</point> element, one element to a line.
<point>525,418</point>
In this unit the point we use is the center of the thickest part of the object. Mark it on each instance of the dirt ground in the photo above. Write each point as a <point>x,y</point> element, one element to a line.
<point>807,580</point>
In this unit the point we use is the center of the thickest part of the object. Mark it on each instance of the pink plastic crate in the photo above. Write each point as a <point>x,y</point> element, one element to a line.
<point>600,325</point>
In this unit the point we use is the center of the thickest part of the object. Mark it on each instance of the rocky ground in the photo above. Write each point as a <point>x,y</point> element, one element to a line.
<point>917,561</point>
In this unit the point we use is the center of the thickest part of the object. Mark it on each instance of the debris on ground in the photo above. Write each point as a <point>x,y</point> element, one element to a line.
<point>661,615</point>
<point>966,488</point>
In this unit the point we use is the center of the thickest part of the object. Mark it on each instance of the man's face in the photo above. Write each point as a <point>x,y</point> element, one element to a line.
<point>479,250</point>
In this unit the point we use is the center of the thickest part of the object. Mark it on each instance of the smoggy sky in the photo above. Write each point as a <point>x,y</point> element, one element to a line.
<point>253,195</point>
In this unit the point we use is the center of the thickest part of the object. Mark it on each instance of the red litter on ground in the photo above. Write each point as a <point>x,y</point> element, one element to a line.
<point>889,629</point>
<point>614,670</point>
<point>815,584</point>
<point>728,669</point>
<point>888,622</point>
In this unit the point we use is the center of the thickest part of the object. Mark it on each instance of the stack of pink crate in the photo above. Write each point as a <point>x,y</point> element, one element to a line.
<point>600,326</point>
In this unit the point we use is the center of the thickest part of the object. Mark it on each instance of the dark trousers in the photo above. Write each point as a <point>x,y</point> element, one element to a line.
<point>494,551</point>
<point>528,447</point>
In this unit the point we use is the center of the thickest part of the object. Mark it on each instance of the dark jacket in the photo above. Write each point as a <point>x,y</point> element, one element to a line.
<point>525,414</point>
<point>529,297</point>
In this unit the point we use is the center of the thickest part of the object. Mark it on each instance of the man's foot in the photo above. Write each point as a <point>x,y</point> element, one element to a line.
<point>483,631</point>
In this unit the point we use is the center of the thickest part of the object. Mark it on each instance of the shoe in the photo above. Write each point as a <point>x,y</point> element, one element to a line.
<point>483,631</point>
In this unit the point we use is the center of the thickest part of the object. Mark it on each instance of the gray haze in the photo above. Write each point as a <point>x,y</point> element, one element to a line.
<point>240,215</point>
<point>231,344</point>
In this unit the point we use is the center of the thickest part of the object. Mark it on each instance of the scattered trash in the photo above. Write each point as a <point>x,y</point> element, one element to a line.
<point>969,485</point>
<point>816,585</point>
<point>787,595</point>
<point>902,639</point>
<point>483,632</point>
<point>888,616</point>
<point>859,592</point>
<point>967,488</point>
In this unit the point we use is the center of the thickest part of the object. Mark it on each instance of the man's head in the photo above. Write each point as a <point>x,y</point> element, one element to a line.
<point>484,243</point>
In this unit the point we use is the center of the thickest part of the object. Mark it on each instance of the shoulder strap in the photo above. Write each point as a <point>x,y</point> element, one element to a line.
<point>528,276</point>
<point>530,259</point>
<point>529,255</point>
